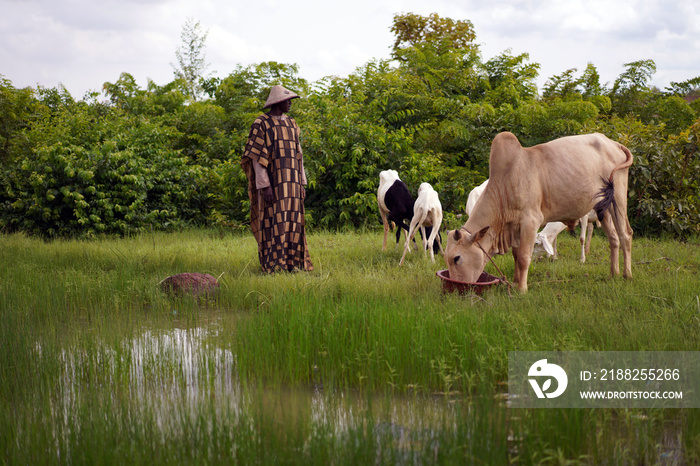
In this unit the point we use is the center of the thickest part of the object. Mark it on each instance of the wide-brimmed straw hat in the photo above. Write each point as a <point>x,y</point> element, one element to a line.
<point>279,94</point>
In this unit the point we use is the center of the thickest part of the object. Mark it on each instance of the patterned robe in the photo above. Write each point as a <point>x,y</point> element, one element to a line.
<point>279,228</point>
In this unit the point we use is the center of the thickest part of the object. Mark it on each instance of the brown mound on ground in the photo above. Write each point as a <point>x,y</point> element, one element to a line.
<point>193,283</point>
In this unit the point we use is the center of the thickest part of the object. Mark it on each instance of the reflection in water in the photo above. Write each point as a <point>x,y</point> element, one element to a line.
<point>165,373</point>
<point>177,375</point>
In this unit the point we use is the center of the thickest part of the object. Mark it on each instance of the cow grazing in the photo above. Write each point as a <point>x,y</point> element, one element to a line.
<point>427,212</point>
<point>561,180</point>
<point>395,204</point>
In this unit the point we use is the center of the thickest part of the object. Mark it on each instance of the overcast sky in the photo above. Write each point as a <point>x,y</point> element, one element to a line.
<point>84,43</point>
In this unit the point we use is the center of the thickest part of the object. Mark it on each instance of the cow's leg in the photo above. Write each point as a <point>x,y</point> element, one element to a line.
<point>613,241</point>
<point>522,264</point>
<point>385,221</point>
<point>516,273</point>
<point>400,226</point>
<point>523,256</point>
<point>425,240</point>
<point>582,237</point>
<point>627,248</point>
<point>433,237</point>
<point>437,221</point>
<point>589,235</point>
<point>411,233</point>
<point>623,227</point>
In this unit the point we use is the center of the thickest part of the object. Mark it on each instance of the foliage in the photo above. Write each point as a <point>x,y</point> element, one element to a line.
<point>442,34</point>
<point>542,122</point>
<point>345,152</point>
<point>202,127</point>
<point>511,79</point>
<point>671,113</point>
<point>664,186</point>
<point>118,177</point>
<point>566,86</point>
<point>631,92</point>
<point>431,114</point>
<point>15,110</point>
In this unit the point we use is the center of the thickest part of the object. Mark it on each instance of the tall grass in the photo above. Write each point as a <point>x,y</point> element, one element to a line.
<point>97,365</point>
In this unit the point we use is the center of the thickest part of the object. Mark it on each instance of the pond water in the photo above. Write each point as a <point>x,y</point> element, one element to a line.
<point>179,376</point>
<point>179,372</point>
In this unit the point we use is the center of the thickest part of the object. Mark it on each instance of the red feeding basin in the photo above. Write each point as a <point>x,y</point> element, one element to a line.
<point>449,285</point>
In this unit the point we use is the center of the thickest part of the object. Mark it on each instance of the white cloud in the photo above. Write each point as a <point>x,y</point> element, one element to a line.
<point>83,43</point>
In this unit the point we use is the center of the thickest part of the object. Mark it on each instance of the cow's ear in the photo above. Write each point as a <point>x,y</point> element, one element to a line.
<point>480,235</point>
<point>457,235</point>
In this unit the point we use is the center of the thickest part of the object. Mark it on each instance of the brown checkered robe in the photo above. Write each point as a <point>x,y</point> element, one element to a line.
<point>279,228</point>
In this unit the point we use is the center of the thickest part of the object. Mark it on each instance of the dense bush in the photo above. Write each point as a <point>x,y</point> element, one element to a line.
<point>124,178</point>
<point>70,191</point>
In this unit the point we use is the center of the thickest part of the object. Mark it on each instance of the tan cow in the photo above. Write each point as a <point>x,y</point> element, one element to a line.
<point>561,180</point>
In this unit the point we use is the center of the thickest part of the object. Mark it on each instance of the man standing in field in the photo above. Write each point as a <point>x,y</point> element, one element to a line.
<point>274,165</point>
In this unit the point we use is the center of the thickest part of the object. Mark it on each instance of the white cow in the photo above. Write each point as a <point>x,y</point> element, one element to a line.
<point>546,240</point>
<point>474,195</point>
<point>427,212</point>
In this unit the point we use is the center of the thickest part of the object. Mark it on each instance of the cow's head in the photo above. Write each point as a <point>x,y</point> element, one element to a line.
<point>464,257</point>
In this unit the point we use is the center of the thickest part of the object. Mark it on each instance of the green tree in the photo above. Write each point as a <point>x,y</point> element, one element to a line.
<point>563,86</point>
<point>191,59</point>
<point>671,112</point>
<point>441,34</point>
<point>15,111</point>
<point>631,91</point>
<point>664,179</point>
<point>511,79</point>
<point>440,52</point>
<point>155,100</point>
<point>689,90</point>
<point>204,138</point>
<point>115,174</point>
<point>590,82</point>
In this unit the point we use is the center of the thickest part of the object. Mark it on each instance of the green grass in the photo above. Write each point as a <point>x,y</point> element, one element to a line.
<point>97,365</point>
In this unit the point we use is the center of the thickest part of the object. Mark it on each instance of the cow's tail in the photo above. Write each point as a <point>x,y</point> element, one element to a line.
<point>607,198</point>
<point>607,192</point>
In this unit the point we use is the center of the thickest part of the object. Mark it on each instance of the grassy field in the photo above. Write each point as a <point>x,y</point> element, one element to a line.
<point>360,361</point>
